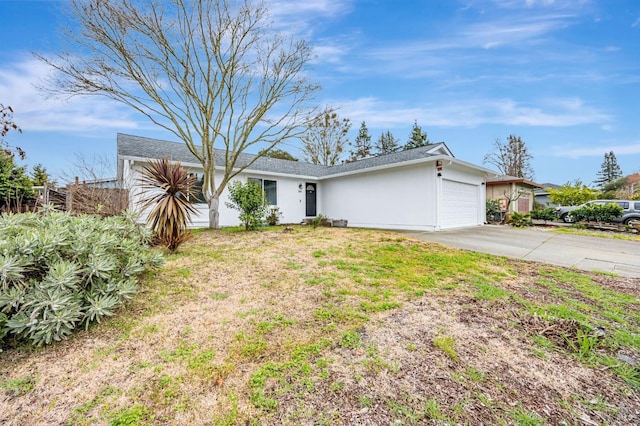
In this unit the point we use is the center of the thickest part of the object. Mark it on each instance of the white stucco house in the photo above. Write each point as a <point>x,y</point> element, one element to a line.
<point>422,189</point>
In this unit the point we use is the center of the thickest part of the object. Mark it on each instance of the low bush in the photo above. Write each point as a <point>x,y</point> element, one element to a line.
<point>493,211</point>
<point>544,214</point>
<point>273,217</point>
<point>520,220</point>
<point>597,213</point>
<point>59,272</point>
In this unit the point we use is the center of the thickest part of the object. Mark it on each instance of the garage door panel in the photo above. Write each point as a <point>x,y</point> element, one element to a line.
<point>459,204</point>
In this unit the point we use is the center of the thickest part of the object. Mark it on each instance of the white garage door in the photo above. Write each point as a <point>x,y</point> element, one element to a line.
<point>460,204</point>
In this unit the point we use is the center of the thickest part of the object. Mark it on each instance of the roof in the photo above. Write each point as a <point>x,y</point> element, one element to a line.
<point>544,190</point>
<point>141,148</point>
<point>498,180</point>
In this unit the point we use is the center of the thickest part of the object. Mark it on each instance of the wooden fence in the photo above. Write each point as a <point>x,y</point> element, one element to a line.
<point>81,198</point>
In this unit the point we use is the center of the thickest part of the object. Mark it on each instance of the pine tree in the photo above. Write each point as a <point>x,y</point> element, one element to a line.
<point>39,175</point>
<point>15,184</point>
<point>362,144</point>
<point>387,144</point>
<point>417,138</point>
<point>609,170</point>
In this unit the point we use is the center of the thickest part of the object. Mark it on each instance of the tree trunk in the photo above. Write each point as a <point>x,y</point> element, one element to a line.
<point>214,214</point>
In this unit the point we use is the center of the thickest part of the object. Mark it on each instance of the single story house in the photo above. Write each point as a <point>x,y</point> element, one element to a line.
<point>542,194</point>
<point>515,194</point>
<point>422,189</point>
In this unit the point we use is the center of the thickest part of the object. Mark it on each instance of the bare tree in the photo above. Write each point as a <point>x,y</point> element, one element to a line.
<point>212,72</point>
<point>511,158</point>
<point>326,138</point>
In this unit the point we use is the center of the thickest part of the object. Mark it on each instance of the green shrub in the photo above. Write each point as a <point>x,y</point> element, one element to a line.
<point>572,194</point>
<point>520,220</point>
<point>320,220</point>
<point>59,272</point>
<point>544,214</point>
<point>597,213</point>
<point>493,211</point>
<point>248,198</point>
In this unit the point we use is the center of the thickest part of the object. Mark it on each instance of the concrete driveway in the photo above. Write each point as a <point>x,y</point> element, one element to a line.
<point>620,257</point>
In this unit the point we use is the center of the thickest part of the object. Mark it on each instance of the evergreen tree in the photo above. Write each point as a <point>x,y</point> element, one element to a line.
<point>15,185</point>
<point>277,153</point>
<point>387,144</point>
<point>40,176</point>
<point>417,138</point>
<point>609,170</point>
<point>362,144</point>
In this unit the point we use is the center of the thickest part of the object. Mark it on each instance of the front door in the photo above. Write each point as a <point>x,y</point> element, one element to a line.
<point>310,189</point>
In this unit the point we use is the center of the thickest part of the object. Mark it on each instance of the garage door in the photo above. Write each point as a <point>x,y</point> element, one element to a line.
<point>460,204</point>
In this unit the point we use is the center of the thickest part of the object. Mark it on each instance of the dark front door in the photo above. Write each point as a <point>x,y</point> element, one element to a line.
<point>310,189</point>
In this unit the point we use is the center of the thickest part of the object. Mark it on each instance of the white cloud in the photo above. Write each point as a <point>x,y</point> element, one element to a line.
<point>598,151</point>
<point>331,51</point>
<point>474,112</point>
<point>34,112</point>
<point>297,16</point>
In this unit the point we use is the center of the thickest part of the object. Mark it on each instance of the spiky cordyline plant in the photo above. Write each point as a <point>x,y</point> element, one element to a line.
<point>167,188</point>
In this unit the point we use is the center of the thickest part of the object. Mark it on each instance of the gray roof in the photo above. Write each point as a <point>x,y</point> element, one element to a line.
<point>147,148</point>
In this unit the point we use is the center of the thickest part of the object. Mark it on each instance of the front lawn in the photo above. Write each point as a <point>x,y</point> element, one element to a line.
<point>342,326</point>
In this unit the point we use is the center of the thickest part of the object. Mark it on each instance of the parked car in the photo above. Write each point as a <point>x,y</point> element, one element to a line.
<point>630,210</point>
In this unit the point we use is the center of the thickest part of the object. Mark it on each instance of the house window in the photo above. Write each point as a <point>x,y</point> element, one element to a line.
<point>270,188</point>
<point>197,196</point>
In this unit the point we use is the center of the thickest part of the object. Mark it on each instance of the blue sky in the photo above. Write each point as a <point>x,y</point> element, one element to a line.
<point>562,74</point>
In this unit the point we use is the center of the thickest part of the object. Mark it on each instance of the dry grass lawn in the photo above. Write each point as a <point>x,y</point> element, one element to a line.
<point>342,326</point>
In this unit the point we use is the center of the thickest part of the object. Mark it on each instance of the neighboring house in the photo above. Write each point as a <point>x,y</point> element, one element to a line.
<point>420,189</point>
<point>519,191</point>
<point>542,195</point>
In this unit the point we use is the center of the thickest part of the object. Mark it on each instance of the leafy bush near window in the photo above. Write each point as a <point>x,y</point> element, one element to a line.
<point>520,220</point>
<point>59,272</point>
<point>597,213</point>
<point>248,198</point>
<point>544,214</point>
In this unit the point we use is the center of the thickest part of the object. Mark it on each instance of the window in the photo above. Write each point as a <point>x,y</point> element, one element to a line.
<point>197,195</point>
<point>624,205</point>
<point>636,206</point>
<point>270,188</point>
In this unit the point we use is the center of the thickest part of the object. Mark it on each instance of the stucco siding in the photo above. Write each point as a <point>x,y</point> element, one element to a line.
<point>399,198</point>
<point>290,199</point>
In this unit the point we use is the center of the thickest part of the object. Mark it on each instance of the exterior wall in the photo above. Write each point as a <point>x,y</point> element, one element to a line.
<point>544,200</point>
<point>396,198</point>
<point>406,197</point>
<point>497,192</point>
<point>290,198</point>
